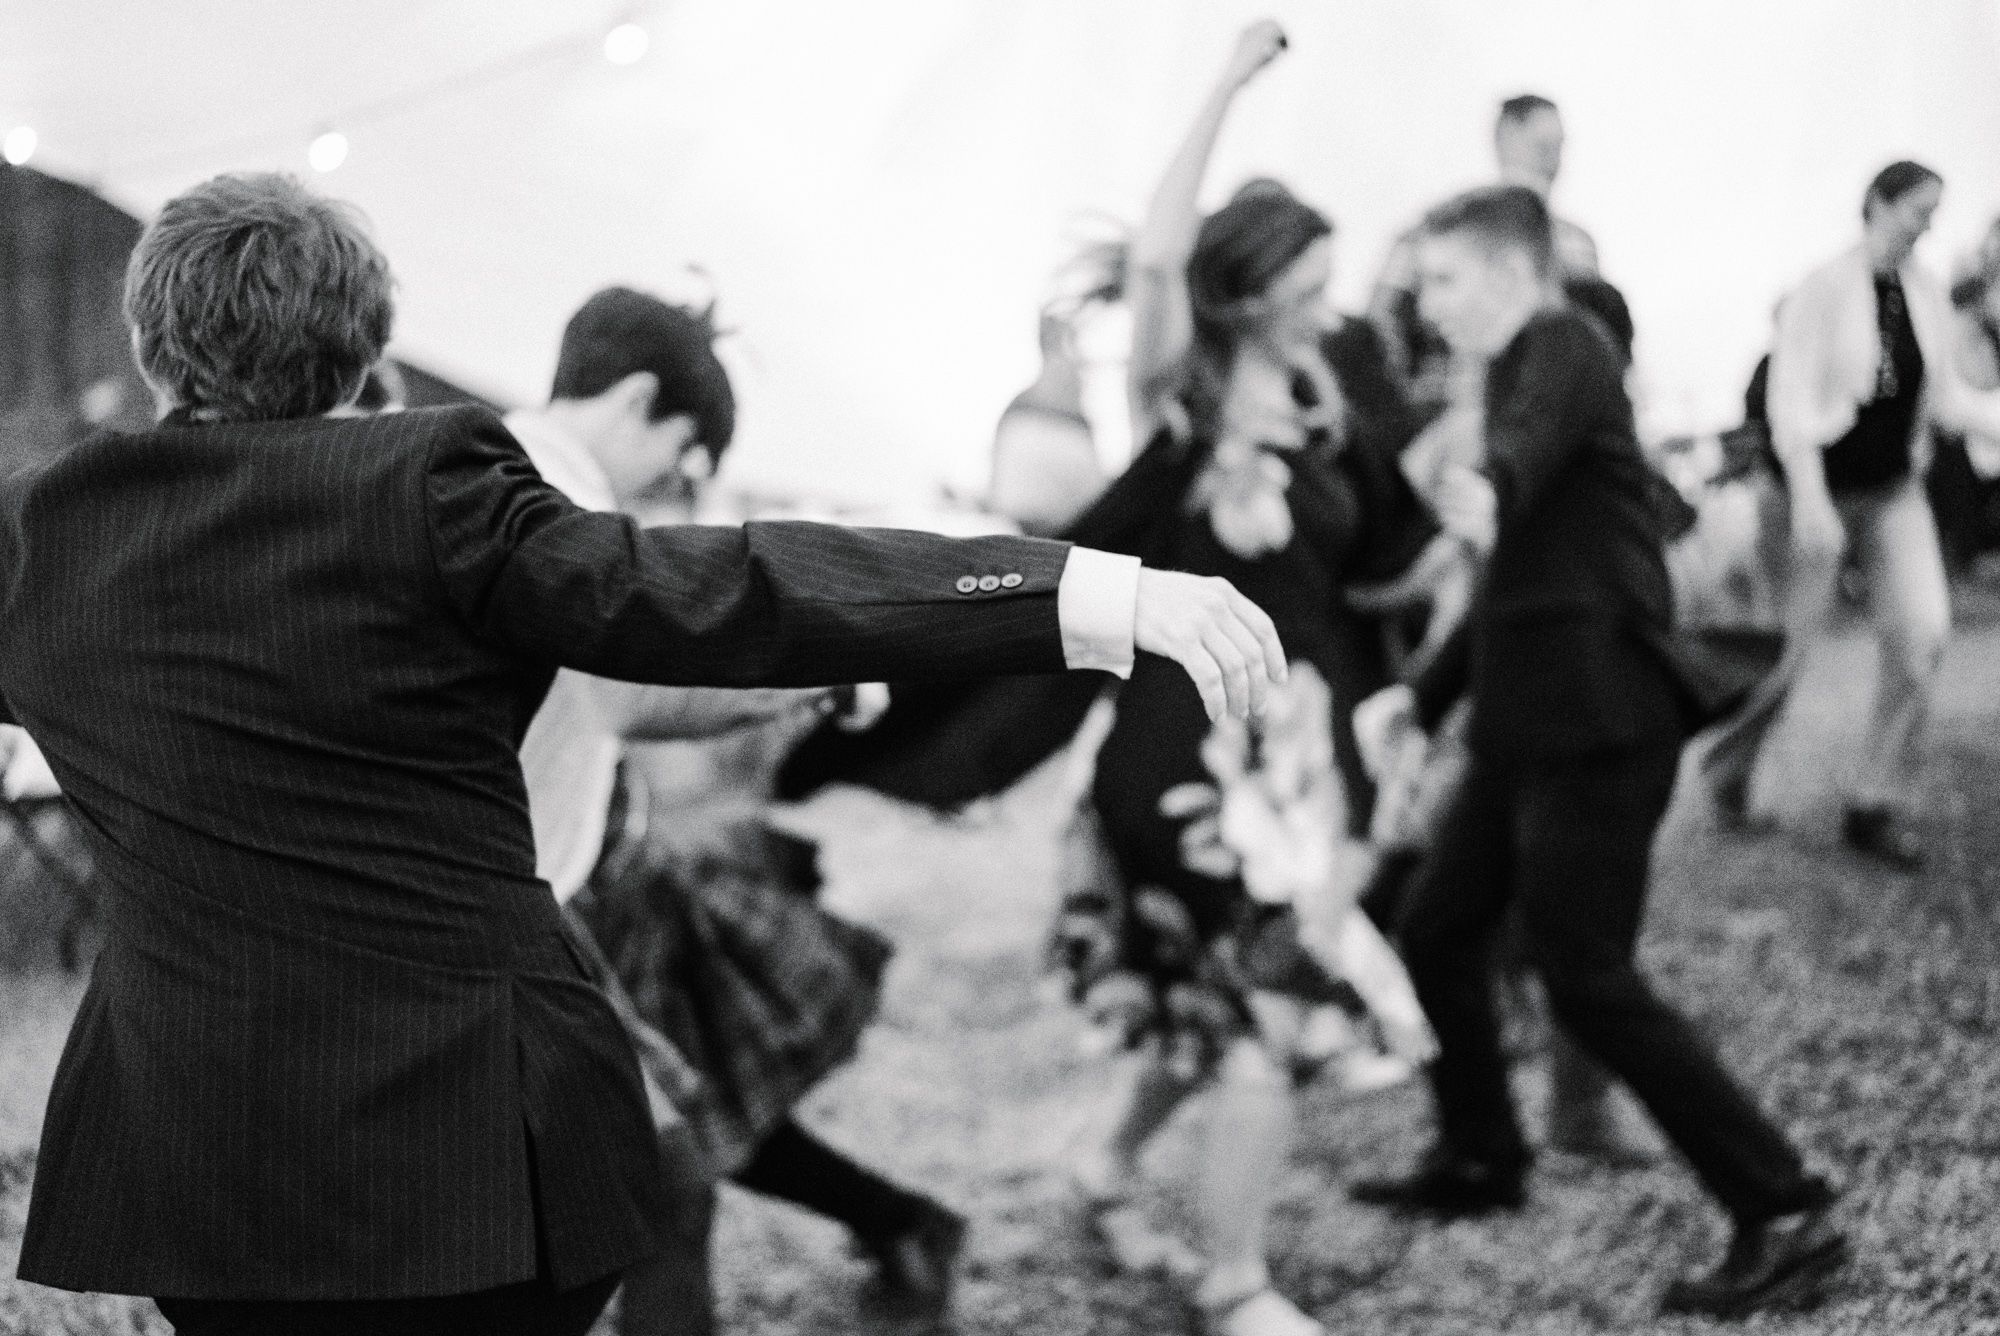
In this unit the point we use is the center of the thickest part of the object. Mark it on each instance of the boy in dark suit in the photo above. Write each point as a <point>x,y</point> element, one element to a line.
<point>1576,727</point>
<point>339,1068</point>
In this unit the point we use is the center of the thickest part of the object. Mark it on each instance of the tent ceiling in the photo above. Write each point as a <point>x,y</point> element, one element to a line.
<point>881,188</point>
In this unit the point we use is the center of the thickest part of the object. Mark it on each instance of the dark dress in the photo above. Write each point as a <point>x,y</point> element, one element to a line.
<point>945,746</point>
<point>1209,830</point>
<point>1355,520</point>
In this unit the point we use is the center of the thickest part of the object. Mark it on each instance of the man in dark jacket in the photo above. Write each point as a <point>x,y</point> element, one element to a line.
<point>339,1069</point>
<point>1577,720</point>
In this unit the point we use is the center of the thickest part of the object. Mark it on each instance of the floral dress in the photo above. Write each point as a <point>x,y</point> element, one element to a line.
<point>1233,843</point>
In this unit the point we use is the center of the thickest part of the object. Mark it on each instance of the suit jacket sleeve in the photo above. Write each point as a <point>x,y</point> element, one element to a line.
<point>1537,419</point>
<point>779,604</point>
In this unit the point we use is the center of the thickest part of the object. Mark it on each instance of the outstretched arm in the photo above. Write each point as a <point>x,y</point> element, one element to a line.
<point>1162,324</point>
<point>805,604</point>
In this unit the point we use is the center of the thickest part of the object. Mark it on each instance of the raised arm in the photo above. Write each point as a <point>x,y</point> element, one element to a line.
<point>1162,323</point>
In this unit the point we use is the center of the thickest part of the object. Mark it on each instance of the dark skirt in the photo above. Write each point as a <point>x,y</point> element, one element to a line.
<point>710,921</point>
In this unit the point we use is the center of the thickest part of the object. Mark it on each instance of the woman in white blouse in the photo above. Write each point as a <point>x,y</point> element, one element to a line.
<point>1864,366</point>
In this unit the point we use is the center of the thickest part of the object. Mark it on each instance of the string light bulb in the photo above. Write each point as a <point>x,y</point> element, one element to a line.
<point>327,150</point>
<point>19,146</point>
<point>626,44</point>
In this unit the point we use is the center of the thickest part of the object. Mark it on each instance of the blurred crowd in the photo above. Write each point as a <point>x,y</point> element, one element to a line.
<point>1506,617</point>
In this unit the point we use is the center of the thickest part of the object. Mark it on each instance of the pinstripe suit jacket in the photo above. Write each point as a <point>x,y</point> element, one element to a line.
<point>335,1045</point>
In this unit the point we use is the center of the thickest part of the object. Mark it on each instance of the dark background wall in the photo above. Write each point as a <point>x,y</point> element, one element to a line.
<point>62,261</point>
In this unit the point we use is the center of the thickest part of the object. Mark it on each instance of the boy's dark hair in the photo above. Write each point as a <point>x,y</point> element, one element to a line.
<point>1510,217</point>
<point>1895,181</point>
<point>251,299</point>
<point>1518,109</point>
<point>619,332</point>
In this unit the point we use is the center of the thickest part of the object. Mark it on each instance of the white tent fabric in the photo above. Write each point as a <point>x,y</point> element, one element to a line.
<point>881,189</point>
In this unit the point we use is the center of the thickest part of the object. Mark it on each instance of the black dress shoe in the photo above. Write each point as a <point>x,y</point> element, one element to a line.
<point>1447,1185</point>
<point>915,1267</point>
<point>1782,1263</point>
<point>1880,833</point>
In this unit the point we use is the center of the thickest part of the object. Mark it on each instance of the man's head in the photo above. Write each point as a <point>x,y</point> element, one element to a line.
<point>656,400</point>
<point>1528,140</point>
<point>1484,265</point>
<point>251,299</point>
<point>1896,210</point>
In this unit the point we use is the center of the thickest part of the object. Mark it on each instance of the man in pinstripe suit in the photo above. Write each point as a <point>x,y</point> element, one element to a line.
<point>338,1069</point>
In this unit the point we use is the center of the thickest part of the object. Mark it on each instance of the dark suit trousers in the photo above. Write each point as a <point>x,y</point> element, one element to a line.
<point>1569,839</point>
<point>531,1308</point>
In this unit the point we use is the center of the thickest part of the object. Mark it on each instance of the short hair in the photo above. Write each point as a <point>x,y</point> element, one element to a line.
<point>1499,217</point>
<point>1895,181</point>
<point>1516,110</point>
<point>252,299</point>
<point>620,332</point>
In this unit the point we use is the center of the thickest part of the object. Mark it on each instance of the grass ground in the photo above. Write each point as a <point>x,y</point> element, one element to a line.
<point>1863,1007</point>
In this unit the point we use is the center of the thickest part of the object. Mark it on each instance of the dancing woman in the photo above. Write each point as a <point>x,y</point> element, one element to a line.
<point>1232,841</point>
<point>1863,367</point>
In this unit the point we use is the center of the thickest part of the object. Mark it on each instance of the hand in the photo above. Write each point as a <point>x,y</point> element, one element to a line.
<point>1379,721</point>
<point>1225,642</point>
<point>1467,506</point>
<point>1257,46</point>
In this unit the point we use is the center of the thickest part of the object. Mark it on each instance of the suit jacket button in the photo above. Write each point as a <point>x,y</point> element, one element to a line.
<point>967,585</point>
<point>989,583</point>
<point>1011,580</point>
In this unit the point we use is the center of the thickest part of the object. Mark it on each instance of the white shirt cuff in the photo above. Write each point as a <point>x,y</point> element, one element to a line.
<point>1097,602</point>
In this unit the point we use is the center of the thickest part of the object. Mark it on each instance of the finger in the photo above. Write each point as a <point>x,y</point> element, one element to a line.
<point>1235,671</point>
<point>1276,667</point>
<point>1194,659</point>
<point>1252,649</point>
<point>1249,656</point>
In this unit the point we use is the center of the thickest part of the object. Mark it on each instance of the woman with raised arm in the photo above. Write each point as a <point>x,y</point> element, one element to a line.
<point>1270,461</point>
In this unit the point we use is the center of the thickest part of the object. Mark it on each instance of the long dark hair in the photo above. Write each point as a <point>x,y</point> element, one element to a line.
<point>1239,252</point>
